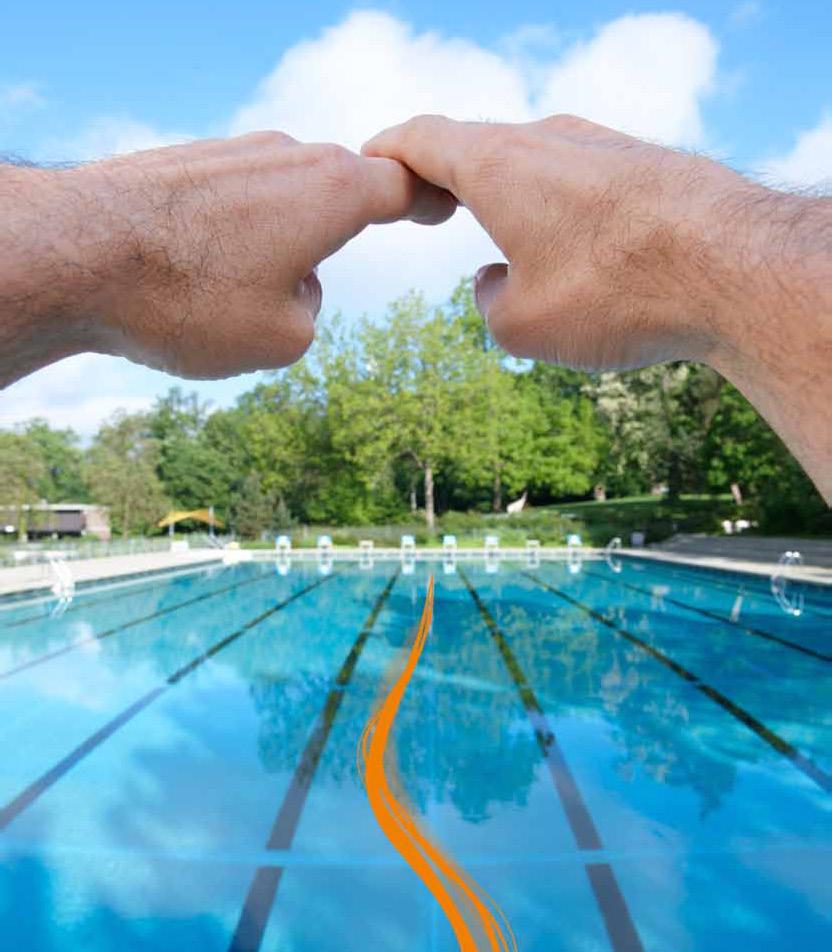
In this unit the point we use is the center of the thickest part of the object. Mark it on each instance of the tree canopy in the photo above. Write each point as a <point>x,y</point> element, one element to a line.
<point>420,413</point>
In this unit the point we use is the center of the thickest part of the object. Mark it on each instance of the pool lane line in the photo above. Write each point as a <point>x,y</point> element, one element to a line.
<point>615,913</point>
<point>99,636</point>
<point>748,629</point>
<point>140,586</point>
<point>18,804</point>
<point>803,763</point>
<point>262,891</point>
<point>753,585</point>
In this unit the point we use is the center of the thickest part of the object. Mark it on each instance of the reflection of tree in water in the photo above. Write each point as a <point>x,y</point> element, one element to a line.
<point>287,709</point>
<point>456,743</point>
<point>462,736</point>
<point>662,727</point>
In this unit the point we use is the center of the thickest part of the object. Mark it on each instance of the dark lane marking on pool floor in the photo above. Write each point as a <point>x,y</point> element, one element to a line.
<point>254,916</point>
<point>803,763</point>
<point>15,807</point>
<point>723,619</point>
<point>618,922</point>
<point>99,636</point>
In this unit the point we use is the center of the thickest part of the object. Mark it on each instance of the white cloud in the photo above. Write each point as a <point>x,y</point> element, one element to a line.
<point>21,95</point>
<point>108,136</point>
<point>644,74</point>
<point>746,13</point>
<point>77,392</point>
<point>808,164</point>
<point>647,74</point>
<point>372,71</point>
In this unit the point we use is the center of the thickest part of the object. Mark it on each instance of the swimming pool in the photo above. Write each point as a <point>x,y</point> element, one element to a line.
<point>626,760</point>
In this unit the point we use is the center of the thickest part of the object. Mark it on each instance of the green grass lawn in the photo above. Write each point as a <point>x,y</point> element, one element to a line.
<point>596,522</point>
<point>658,517</point>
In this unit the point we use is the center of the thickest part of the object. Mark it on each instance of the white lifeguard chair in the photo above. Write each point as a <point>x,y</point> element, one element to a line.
<point>532,553</point>
<point>492,554</point>
<point>407,553</point>
<point>449,550</point>
<point>283,547</point>
<point>365,553</point>
<point>324,554</point>
<point>574,555</point>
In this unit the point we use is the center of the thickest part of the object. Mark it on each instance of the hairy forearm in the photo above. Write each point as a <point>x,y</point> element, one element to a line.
<point>48,273</point>
<point>777,342</point>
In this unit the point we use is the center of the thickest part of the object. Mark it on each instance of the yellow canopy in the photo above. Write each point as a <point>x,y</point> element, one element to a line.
<point>202,515</point>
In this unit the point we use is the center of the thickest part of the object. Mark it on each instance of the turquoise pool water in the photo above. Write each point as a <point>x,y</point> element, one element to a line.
<point>633,760</point>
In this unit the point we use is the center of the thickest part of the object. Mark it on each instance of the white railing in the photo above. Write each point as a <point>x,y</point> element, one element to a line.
<point>790,599</point>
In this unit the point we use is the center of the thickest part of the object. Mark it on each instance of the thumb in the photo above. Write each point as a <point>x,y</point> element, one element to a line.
<point>489,283</point>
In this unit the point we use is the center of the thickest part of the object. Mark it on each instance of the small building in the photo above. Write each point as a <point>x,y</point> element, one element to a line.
<point>56,520</point>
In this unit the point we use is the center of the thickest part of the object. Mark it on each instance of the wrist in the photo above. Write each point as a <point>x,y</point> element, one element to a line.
<point>777,342</point>
<point>48,272</point>
<point>778,297</point>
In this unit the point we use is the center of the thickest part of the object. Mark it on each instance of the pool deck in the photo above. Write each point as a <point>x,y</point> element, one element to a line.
<point>37,579</point>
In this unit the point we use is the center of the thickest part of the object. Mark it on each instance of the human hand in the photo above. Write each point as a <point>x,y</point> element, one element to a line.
<point>197,259</point>
<point>622,254</point>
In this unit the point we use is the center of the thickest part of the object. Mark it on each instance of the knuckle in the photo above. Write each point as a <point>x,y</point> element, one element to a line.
<point>268,137</point>
<point>297,338</point>
<point>494,156</point>
<point>329,154</point>
<point>424,122</point>
<point>335,165</point>
<point>567,122</point>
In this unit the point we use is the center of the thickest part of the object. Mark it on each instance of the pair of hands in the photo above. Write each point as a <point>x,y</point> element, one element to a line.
<point>200,259</point>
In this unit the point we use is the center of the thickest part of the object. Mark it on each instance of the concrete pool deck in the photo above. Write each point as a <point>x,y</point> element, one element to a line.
<point>37,579</point>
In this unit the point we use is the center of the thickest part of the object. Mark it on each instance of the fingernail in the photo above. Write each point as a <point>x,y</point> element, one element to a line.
<point>310,292</point>
<point>483,291</point>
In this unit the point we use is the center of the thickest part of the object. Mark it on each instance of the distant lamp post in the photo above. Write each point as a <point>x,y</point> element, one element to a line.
<point>211,522</point>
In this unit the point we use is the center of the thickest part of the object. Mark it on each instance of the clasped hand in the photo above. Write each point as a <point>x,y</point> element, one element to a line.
<point>201,259</point>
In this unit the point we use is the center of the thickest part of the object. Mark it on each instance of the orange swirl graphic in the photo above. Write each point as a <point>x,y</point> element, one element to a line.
<point>477,921</point>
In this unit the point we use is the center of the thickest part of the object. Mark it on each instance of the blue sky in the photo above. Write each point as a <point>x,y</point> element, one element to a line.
<point>749,82</point>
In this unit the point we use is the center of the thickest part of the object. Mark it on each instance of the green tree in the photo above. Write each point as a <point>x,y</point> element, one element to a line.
<point>253,508</point>
<point>656,422</point>
<point>62,459</point>
<point>741,448</point>
<point>193,471</point>
<point>568,445</point>
<point>21,474</point>
<point>506,424</point>
<point>121,471</point>
<point>399,396</point>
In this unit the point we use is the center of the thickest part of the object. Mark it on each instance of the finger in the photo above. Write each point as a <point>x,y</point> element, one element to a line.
<point>489,282</point>
<point>309,294</point>
<point>497,297</point>
<point>392,192</point>
<point>435,148</point>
